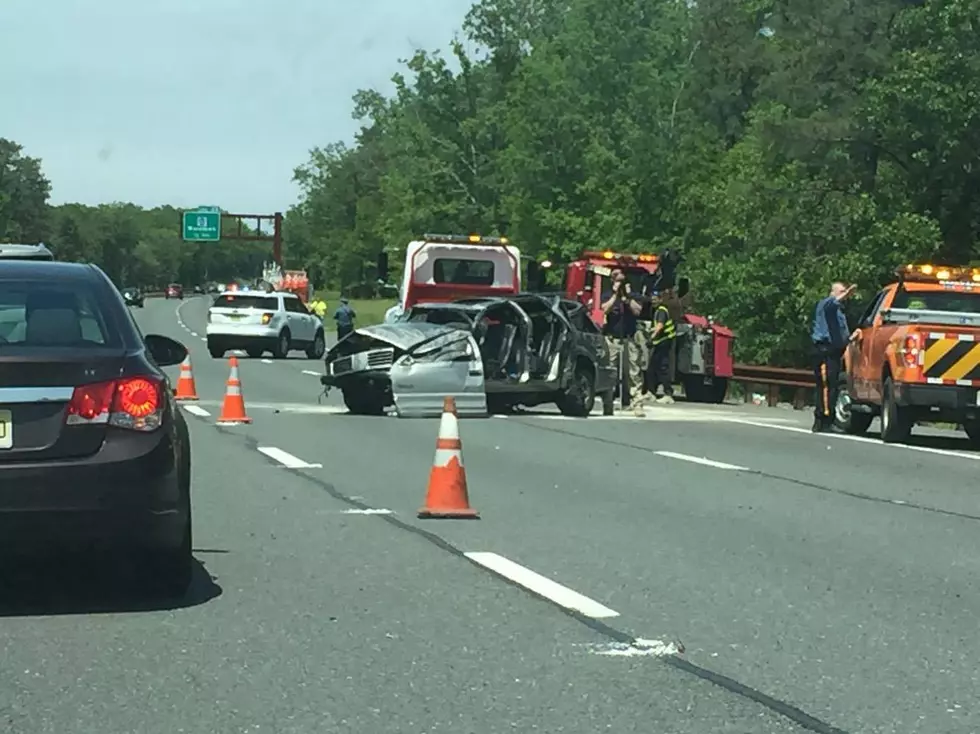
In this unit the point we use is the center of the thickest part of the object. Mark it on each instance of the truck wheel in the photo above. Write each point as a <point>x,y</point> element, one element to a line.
<point>856,424</point>
<point>578,399</point>
<point>896,422</point>
<point>717,390</point>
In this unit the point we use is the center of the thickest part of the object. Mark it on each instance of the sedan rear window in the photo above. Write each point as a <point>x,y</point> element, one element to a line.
<point>39,314</point>
<point>262,303</point>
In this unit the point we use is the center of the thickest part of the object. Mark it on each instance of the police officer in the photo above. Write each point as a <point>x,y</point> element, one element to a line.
<point>830,337</point>
<point>662,346</point>
<point>621,308</point>
<point>344,316</point>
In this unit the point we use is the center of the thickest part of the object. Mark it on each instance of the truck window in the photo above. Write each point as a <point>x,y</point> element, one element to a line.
<point>462,272</point>
<point>934,300</point>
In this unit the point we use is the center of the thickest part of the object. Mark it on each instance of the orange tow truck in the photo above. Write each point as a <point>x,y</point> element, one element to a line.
<point>916,355</point>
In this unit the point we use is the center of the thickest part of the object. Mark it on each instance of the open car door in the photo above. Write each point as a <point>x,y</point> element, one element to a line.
<point>448,365</point>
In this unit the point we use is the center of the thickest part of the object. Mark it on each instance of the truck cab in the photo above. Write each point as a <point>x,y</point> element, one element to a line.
<point>915,357</point>
<point>703,360</point>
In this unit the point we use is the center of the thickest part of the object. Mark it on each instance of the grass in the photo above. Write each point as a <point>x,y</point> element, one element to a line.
<point>369,310</point>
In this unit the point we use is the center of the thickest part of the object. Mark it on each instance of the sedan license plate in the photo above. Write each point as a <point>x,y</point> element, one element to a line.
<point>235,317</point>
<point>6,429</point>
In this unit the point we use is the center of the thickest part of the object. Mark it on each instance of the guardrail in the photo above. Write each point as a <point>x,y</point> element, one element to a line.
<point>775,380</point>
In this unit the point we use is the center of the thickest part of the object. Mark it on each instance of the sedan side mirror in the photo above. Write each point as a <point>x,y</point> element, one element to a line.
<point>166,352</point>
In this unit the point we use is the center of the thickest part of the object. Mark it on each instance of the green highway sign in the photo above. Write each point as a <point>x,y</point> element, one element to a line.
<point>202,224</point>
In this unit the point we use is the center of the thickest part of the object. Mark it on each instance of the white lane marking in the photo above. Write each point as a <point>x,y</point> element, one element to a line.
<point>296,408</point>
<point>286,459</point>
<point>311,372</point>
<point>368,511</point>
<point>196,410</point>
<point>267,361</point>
<point>204,338</point>
<point>640,647</point>
<point>859,439</point>
<point>701,460</point>
<point>544,587</point>
<point>194,333</point>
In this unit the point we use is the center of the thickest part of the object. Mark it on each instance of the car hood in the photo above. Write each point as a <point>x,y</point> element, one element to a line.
<point>405,335</point>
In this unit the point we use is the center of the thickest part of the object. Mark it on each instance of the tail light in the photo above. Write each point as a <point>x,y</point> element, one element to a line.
<point>135,403</point>
<point>266,318</point>
<point>910,350</point>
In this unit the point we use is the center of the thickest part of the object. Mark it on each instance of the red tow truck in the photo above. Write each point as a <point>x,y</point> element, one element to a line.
<point>703,358</point>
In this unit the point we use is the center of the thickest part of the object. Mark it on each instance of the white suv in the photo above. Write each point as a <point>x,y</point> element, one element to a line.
<point>261,322</point>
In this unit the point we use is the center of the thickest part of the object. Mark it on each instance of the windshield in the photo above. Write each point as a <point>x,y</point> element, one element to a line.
<point>441,316</point>
<point>638,278</point>
<point>462,272</point>
<point>959,301</point>
<point>45,315</point>
<point>264,303</point>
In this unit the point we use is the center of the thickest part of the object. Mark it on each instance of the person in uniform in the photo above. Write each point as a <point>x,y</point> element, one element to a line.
<point>621,308</point>
<point>830,337</point>
<point>318,307</point>
<point>662,347</point>
<point>344,316</point>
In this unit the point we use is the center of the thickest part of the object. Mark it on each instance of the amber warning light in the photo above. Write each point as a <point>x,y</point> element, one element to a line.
<point>621,256</point>
<point>929,272</point>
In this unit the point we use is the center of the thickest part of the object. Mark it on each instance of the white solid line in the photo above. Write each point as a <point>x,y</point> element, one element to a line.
<point>859,439</point>
<point>544,587</point>
<point>368,511</point>
<point>267,361</point>
<point>701,460</point>
<point>287,460</point>
<point>311,372</point>
<point>196,410</point>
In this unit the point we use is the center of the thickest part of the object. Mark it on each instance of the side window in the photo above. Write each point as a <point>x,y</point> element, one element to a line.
<point>869,315</point>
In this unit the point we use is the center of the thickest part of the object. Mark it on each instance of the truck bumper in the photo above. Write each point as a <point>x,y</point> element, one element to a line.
<point>954,402</point>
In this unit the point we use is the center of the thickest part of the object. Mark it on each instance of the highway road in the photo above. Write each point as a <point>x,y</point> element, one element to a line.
<point>716,570</point>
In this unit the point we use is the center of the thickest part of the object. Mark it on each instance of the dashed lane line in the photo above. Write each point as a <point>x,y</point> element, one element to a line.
<point>196,410</point>
<point>367,511</point>
<point>286,459</point>
<point>704,461</point>
<point>541,586</point>
<point>859,439</point>
<point>311,372</point>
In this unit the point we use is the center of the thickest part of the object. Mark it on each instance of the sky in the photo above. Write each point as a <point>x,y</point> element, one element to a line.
<point>197,102</point>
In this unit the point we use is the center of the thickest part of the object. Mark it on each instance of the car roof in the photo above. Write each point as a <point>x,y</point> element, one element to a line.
<point>47,270</point>
<point>13,250</point>
<point>257,293</point>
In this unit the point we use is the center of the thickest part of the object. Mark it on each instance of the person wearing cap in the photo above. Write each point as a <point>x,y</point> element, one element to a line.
<point>661,348</point>
<point>830,335</point>
<point>344,316</point>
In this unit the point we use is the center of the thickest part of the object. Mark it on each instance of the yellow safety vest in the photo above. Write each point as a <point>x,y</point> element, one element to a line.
<point>668,331</point>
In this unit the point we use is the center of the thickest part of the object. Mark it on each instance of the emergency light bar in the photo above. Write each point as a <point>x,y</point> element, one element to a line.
<point>609,255</point>
<point>933,273</point>
<point>463,239</point>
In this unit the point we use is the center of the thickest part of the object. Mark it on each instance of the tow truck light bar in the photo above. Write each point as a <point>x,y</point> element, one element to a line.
<point>609,255</point>
<point>462,239</point>
<point>929,272</point>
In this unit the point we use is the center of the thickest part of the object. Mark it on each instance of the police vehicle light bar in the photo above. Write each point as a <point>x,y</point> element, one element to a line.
<point>933,273</point>
<point>625,257</point>
<point>462,239</point>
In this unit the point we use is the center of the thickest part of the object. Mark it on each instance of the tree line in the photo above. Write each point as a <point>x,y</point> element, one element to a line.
<point>134,246</point>
<point>777,145</point>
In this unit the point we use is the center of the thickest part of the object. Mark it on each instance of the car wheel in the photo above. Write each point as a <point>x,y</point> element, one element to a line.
<point>363,401</point>
<point>170,572</point>
<point>254,352</point>
<point>578,398</point>
<point>281,350</point>
<point>319,346</point>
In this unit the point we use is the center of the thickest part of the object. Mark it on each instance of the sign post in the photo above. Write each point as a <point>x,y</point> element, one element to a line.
<point>202,224</point>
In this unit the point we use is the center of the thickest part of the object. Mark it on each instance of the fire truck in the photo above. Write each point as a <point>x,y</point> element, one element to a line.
<point>703,359</point>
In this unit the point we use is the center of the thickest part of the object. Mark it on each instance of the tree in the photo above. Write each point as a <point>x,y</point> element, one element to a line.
<point>24,195</point>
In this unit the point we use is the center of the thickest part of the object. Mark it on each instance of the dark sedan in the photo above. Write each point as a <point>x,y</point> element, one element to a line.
<point>133,296</point>
<point>94,452</point>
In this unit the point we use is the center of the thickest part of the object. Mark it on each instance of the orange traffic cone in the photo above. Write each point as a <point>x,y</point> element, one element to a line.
<point>186,389</point>
<point>447,497</point>
<point>233,410</point>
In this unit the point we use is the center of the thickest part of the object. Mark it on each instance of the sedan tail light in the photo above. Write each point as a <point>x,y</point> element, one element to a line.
<point>135,403</point>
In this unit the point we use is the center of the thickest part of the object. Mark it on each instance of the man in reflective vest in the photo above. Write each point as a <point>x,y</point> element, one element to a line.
<point>662,345</point>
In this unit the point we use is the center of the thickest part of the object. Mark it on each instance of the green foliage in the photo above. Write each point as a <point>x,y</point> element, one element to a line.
<point>780,146</point>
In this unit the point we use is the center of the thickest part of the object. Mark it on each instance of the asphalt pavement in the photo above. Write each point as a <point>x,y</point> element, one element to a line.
<point>712,569</point>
